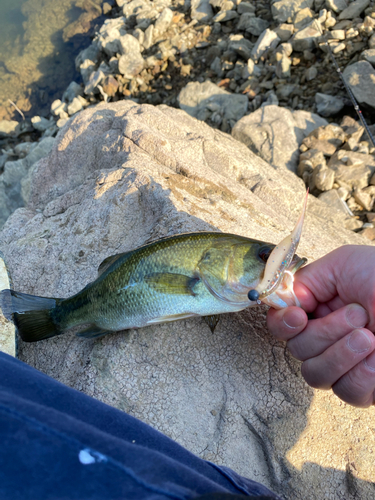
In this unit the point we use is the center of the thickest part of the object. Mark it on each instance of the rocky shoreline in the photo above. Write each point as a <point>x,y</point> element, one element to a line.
<point>259,70</point>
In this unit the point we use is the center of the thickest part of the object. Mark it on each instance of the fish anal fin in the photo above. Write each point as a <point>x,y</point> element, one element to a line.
<point>171,283</point>
<point>93,332</point>
<point>212,321</point>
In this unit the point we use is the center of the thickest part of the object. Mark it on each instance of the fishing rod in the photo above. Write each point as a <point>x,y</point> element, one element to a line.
<point>347,87</point>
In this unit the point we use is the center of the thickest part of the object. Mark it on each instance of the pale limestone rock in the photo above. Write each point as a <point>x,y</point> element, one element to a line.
<point>360,77</point>
<point>276,133</point>
<point>7,329</point>
<point>354,9</point>
<point>122,174</point>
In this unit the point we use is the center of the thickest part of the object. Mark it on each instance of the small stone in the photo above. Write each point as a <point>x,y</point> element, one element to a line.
<point>354,9</point>
<point>282,10</point>
<point>284,32</point>
<point>9,128</point>
<point>371,216</point>
<point>328,105</point>
<point>285,90</point>
<point>303,18</point>
<point>107,7</point>
<point>368,233</point>
<point>73,90</point>
<point>311,73</point>
<point>268,40</point>
<point>139,35</point>
<point>245,8</point>
<point>253,25</point>
<point>149,35</point>
<point>330,22</point>
<point>360,77</point>
<point>343,193</point>
<point>337,34</point>
<point>131,64</point>
<point>305,38</point>
<point>323,178</point>
<point>195,97</point>
<point>332,199</point>
<point>339,48</point>
<point>93,82</point>
<point>326,147</point>
<point>240,46</point>
<point>336,5</point>
<point>61,122</point>
<point>352,168</point>
<point>40,123</point>
<point>201,10</point>
<point>283,67</point>
<point>163,21</point>
<point>74,106</point>
<point>110,85</point>
<point>225,16</point>
<point>369,56</point>
<point>363,199</point>
<point>353,224</point>
<point>370,190</point>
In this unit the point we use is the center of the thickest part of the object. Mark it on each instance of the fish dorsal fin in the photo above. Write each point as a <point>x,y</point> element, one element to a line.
<point>103,266</point>
<point>171,283</point>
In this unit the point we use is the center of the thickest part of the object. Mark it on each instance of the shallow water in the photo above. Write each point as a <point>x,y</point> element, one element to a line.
<point>39,40</point>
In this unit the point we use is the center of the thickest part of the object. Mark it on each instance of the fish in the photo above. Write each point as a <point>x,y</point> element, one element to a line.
<point>193,274</point>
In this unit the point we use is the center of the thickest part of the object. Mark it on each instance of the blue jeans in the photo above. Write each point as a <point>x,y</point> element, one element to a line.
<point>57,443</point>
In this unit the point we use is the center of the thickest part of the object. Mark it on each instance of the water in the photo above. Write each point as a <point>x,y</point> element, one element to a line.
<point>39,40</point>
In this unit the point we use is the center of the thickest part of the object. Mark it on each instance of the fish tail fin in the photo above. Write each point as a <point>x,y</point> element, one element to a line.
<point>32,315</point>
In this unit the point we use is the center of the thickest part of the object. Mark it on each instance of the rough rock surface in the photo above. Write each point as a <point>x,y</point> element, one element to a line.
<point>276,133</point>
<point>120,175</point>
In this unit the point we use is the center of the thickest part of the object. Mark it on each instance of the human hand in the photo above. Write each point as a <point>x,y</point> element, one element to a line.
<point>337,347</point>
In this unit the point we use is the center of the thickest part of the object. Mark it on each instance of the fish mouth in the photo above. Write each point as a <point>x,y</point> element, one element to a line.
<point>284,295</point>
<point>276,287</point>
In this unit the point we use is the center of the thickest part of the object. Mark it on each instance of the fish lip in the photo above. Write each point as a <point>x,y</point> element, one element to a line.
<point>284,296</point>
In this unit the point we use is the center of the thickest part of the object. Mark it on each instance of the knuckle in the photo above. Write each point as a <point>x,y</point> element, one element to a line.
<point>294,349</point>
<point>313,378</point>
<point>352,388</point>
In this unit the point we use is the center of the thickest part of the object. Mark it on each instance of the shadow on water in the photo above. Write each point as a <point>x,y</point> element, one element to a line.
<point>38,51</point>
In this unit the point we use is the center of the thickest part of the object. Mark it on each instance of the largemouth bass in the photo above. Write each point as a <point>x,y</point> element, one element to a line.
<point>196,274</point>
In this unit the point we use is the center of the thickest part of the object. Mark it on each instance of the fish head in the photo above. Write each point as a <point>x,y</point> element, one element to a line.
<point>276,286</point>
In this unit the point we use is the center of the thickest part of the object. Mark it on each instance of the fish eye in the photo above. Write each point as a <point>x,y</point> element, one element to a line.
<point>264,253</point>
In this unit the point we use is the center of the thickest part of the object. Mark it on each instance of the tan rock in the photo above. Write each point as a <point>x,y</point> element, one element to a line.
<point>352,168</point>
<point>364,199</point>
<point>122,174</point>
<point>368,232</point>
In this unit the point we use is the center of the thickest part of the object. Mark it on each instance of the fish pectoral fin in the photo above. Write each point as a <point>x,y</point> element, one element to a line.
<point>93,332</point>
<point>170,317</point>
<point>212,321</point>
<point>171,283</point>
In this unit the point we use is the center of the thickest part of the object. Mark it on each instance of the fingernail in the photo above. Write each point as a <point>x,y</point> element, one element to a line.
<point>294,318</point>
<point>356,316</point>
<point>358,341</point>
<point>370,362</point>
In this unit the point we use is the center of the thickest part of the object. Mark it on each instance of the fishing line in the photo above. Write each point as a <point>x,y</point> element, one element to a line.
<point>348,89</point>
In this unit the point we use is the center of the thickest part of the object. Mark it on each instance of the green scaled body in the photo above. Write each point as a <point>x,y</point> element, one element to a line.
<point>196,274</point>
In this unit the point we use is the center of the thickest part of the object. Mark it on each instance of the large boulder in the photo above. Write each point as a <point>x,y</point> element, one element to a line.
<point>276,133</point>
<point>120,175</point>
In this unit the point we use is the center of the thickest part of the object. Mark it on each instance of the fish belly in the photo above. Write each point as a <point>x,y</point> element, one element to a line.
<point>143,307</point>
